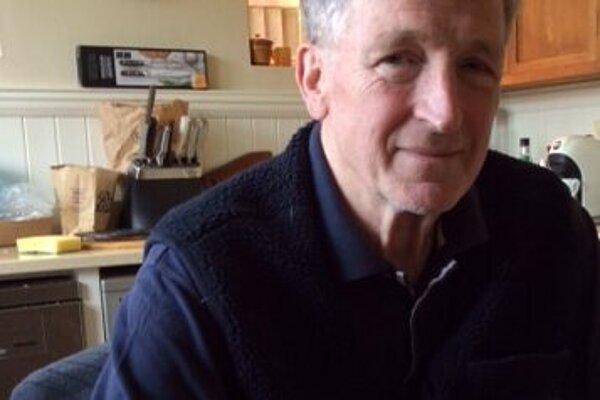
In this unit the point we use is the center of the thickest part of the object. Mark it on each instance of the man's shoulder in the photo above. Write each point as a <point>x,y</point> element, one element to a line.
<point>260,194</point>
<point>505,168</point>
<point>519,183</point>
<point>241,197</point>
<point>527,202</point>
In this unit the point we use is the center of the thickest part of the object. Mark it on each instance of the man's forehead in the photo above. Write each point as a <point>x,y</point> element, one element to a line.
<point>476,21</point>
<point>435,3</point>
<point>493,8</point>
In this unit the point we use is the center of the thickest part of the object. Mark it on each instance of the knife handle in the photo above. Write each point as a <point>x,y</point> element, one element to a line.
<point>184,133</point>
<point>146,139</point>
<point>199,138</point>
<point>192,142</point>
<point>164,146</point>
<point>151,136</point>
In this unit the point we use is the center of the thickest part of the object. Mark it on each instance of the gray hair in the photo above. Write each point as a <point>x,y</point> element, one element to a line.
<point>324,20</point>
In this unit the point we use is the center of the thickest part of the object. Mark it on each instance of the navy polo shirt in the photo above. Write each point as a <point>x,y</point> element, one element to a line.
<point>458,230</point>
<point>355,258</point>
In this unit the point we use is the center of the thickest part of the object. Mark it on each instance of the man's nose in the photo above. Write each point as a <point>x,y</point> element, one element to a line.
<point>438,100</point>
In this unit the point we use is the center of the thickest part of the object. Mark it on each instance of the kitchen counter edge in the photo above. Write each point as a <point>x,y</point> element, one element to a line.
<point>13,264</point>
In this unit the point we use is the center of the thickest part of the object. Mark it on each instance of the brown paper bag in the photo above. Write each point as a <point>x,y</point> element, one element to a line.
<point>120,128</point>
<point>84,197</point>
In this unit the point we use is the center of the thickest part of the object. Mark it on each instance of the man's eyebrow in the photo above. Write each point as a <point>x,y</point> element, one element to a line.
<point>390,40</point>
<point>394,38</point>
<point>485,47</point>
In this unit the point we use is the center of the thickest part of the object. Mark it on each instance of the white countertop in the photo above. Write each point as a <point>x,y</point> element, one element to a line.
<point>13,263</point>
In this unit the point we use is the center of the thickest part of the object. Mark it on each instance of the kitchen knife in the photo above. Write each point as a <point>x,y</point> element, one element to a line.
<point>192,142</point>
<point>199,140</point>
<point>147,129</point>
<point>164,148</point>
<point>184,131</point>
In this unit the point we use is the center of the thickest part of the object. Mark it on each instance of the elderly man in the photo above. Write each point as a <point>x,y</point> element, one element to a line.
<point>386,253</point>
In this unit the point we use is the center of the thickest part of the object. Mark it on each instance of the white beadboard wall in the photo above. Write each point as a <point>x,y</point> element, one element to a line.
<point>39,129</point>
<point>545,114</point>
<point>42,128</point>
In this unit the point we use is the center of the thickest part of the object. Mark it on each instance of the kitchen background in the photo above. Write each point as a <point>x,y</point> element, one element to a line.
<point>46,118</point>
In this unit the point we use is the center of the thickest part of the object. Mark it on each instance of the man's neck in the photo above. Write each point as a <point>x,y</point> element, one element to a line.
<point>406,241</point>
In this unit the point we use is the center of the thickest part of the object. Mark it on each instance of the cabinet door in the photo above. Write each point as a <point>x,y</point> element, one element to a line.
<point>553,41</point>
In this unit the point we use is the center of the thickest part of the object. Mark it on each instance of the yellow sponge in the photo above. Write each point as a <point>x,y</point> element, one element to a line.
<point>53,244</point>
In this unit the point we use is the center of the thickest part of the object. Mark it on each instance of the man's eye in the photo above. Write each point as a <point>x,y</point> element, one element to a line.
<point>399,67</point>
<point>479,68</point>
<point>401,60</point>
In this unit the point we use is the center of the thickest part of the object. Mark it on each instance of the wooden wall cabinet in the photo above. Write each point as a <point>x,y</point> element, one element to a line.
<point>553,41</point>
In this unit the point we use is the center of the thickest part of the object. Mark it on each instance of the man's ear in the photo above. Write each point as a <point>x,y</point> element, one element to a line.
<point>309,72</point>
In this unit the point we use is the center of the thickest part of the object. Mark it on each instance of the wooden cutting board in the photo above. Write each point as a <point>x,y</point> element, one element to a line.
<point>114,244</point>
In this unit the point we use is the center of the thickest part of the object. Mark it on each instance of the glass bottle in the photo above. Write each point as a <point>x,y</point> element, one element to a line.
<point>525,151</point>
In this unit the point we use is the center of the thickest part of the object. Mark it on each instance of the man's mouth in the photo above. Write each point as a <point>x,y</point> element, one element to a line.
<point>431,153</point>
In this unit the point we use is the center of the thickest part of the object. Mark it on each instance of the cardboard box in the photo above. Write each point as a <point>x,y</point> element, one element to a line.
<point>104,66</point>
<point>11,230</point>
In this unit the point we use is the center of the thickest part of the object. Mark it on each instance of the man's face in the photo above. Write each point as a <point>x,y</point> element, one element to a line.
<point>410,89</point>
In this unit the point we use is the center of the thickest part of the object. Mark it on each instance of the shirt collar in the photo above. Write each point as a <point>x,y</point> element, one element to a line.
<point>461,228</point>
